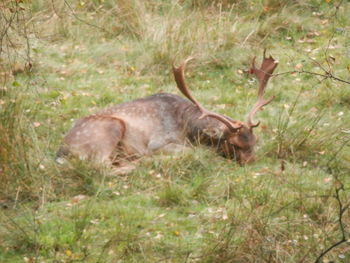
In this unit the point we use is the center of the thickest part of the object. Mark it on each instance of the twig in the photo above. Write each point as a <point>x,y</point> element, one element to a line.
<point>7,27</point>
<point>336,154</point>
<point>17,195</point>
<point>327,75</point>
<point>86,22</point>
<point>247,37</point>
<point>341,210</point>
<point>54,9</point>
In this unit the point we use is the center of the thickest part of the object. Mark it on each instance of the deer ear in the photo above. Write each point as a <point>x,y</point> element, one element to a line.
<point>214,132</point>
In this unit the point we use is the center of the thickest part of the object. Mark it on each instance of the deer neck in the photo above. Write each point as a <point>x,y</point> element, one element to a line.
<point>207,130</point>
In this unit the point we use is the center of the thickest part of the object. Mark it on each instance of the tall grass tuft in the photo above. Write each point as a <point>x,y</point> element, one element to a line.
<point>18,172</point>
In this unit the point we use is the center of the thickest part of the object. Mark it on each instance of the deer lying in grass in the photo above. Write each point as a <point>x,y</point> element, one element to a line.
<point>166,123</point>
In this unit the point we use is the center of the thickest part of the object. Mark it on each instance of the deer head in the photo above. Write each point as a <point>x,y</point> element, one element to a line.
<point>237,140</point>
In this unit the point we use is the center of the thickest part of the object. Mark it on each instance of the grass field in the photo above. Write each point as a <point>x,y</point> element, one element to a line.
<point>61,60</point>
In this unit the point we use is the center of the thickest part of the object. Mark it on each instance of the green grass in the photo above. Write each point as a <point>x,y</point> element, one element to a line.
<point>190,207</point>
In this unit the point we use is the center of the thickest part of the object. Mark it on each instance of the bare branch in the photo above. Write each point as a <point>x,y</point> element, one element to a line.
<point>84,21</point>
<point>327,75</point>
<point>341,211</point>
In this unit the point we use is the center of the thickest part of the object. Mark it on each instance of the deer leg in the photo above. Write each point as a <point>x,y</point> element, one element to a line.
<point>171,148</point>
<point>94,137</point>
<point>166,145</point>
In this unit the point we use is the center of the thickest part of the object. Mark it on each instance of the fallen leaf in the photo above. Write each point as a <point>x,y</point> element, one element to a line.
<point>68,253</point>
<point>76,199</point>
<point>328,179</point>
<point>159,235</point>
<point>298,66</point>
<point>312,34</point>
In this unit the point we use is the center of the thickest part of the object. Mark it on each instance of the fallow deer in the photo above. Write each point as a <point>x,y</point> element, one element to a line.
<point>167,123</point>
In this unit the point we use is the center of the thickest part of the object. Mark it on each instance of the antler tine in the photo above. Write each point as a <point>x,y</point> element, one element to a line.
<point>180,80</point>
<point>181,85</point>
<point>263,74</point>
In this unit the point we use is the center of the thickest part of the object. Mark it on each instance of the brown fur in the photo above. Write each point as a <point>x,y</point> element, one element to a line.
<point>145,126</point>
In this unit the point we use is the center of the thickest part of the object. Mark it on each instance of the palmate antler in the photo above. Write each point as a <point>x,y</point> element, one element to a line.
<point>263,74</point>
<point>180,81</point>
